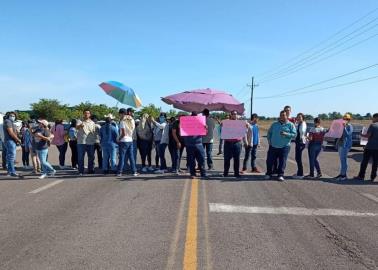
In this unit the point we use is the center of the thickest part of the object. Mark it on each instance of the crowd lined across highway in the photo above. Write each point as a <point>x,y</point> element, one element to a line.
<point>117,144</point>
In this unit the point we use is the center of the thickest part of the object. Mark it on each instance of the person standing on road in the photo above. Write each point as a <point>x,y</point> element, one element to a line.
<point>253,141</point>
<point>60,142</point>
<point>145,138</point>
<point>86,138</point>
<point>316,138</point>
<point>108,141</point>
<point>370,151</point>
<point>97,145</point>
<point>232,150</point>
<point>279,138</point>
<point>163,128</point>
<point>208,140</point>
<point>126,145</point>
<point>72,136</point>
<point>300,144</point>
<point>344,144</point>
<point>11,141</point>
<point>195,151</point>
<point>24,149</point>
<point>33,126</point>
<point>43,138</point>
<point>179,144</point>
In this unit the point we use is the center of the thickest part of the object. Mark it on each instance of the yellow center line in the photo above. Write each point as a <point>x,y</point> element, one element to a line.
<point>190,254</point>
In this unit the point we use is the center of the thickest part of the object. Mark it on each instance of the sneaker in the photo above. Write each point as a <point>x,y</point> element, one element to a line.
<point>205,177</point>
<point>319,175</point>
<point>43,176</point>
<point>281,178</point>
<point>159,171</point>
<point>135,174</point>
<point>144,169</point>
<point>52,173</point>
<point>343,177</point>
<point>337,177</point>
<point>358,178</point>
<point>119,174</point>
<point>267,177</point>
<point>150,169</point>
<point>256,170</point>
<point>219,153</point>
<point>80,174</point>
<point>298,177</point>
<point>310,176</point>
<point>14,175</point>
<point>61,167</point>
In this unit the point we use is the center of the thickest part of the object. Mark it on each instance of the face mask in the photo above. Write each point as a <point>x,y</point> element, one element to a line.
<point>161,119</point>
<point>12,118</point>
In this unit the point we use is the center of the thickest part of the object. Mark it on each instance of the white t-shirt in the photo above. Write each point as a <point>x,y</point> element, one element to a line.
<point>128,133</point>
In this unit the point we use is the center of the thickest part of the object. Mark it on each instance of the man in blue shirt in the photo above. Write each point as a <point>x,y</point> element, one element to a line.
<point>279,138</point>
<point>253,141</point>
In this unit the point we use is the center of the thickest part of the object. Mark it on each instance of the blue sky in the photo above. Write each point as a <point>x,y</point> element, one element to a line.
<point>64,49</point>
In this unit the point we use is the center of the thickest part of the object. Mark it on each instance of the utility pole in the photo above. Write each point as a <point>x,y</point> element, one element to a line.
<point>252,85</point>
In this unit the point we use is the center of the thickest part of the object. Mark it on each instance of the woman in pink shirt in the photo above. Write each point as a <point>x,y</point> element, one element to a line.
<point>59,141</point>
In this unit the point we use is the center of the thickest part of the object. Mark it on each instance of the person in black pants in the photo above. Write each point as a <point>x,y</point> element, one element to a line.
<point>232,150</point>
<point>370,151</point>
<point>72,134</point>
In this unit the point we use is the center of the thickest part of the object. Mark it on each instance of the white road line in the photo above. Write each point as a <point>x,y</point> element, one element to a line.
<point>297,211</point>
<point>370,196</point>
<point>46,186</point>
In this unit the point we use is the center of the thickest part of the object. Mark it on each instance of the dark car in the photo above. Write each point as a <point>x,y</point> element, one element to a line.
<point>356,137</point>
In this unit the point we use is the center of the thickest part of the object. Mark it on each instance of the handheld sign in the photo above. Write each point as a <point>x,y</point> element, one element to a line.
<point>336,130</point>
<point>233,129</point>
<point>193,126</point>
<point>363,140</point>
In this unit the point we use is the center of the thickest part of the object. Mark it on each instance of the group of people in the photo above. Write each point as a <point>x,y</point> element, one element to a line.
<point>117,143</point>
<point>282,132</point>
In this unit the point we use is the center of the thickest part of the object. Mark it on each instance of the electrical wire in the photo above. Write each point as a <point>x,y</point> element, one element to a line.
<point>320,43</point>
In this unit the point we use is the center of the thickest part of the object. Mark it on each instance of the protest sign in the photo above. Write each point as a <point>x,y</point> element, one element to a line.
<point>193,126</point>
<point>336,130</point>
<point>233,129</point>
<point>363,140</point>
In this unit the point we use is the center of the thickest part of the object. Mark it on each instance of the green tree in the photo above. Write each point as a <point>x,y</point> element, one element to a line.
<point>23,116</point>
<point>98,110</point>
<point>151,110</point>
<point>323,116</point>
<point>50,109</point>
<point>309,117</point>
<point>335,115</point>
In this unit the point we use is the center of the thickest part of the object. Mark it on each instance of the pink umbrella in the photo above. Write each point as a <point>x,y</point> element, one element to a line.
<point>200,99</point>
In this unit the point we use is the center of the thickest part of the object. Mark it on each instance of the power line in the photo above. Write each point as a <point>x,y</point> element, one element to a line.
<point>334,54</point>
<point>324,88</point>
<point>320,43</point>
<point>297,65</point>
<point>321,82</point>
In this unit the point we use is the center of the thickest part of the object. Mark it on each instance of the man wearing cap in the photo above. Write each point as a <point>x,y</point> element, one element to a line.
<point>108,141</point>
<point>344,144</point>
<point>43,138</point>
<point>125,140</point>
<point>86,138</point>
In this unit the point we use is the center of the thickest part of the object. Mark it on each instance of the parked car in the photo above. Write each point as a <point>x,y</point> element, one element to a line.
<point>356,137</point>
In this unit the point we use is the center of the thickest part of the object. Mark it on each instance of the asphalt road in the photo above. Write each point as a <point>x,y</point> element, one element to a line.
<point>172,222</point>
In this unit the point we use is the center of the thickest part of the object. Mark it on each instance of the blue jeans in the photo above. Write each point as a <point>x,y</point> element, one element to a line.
<point>209,154</point>
<point>275,154</point>
<point>343,154</point>
<point>232,150</point>
<point>156,144</point>
<point>126,151</point>
<point>45,165</point>
<point>250,151</point>
<point>81,150</point>
<point>4,156</point>
<point>299,147</point>
<point>163,162</point>
<point>62,153</point>
<point>10,146</point>
<point>314,150</point>
<point>196,152</point>
<point>109,154</point>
